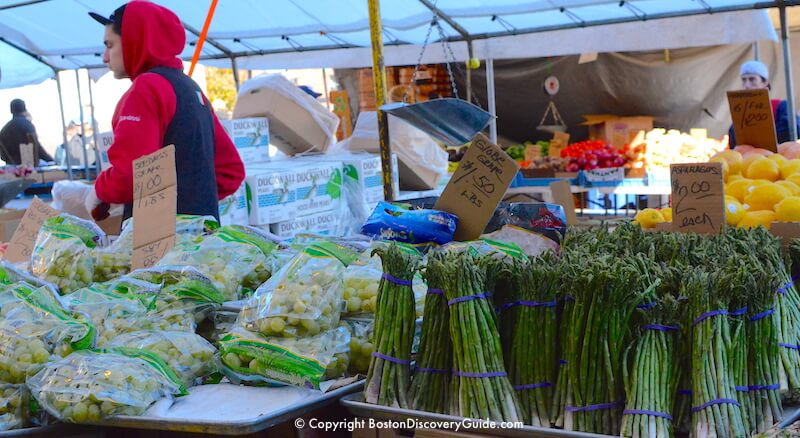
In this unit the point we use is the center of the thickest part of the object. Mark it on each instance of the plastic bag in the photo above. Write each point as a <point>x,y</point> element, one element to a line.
<point>548,220</point>
<point>189,355</point>
<point>109,264</point>
<point>187,227</point>
<point>69,197</point>
<point>10,274</point>
<point>361,346</point>
<point>362,280</point>
<point>235,258</point>
<point>249,357</point>
<point>186,297</point>
<point>88,386</point>
<point>417,227</point>
<point>111,312</point>
<point>62,252</point>
<point>224,321</point>
<point>304,298</point>
<point>14,406</point>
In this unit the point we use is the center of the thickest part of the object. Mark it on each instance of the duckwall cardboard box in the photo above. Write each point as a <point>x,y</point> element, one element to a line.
<point>233,209</point>
<point>326,223</point>
<point>319,187</point>
<point>251,138</point>
<point>270,195</point>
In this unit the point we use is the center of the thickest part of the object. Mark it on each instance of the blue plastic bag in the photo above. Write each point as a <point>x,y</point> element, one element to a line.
<point>417,227</point>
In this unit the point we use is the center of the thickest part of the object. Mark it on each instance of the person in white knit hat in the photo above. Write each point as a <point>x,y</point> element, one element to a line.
<point>755,76</point>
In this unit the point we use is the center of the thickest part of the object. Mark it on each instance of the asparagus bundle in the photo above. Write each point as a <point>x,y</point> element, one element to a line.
<point>651,383</point>
<point>430,386</point>
<point>715,409</point>
<point>533,360</point>
<point>788,316</point>
<point>481,388</point>
<point>598,334</point>
<point>389,376</point>
<point>562,390</point>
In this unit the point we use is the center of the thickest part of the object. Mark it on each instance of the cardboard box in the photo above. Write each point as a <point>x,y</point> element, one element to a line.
<point>104,141</point>
<point>251,138</point>
<point>616,131</point>
<point>319,187</point>
<point>324,224</point>
<point>297,122</point>
<point>233,209</point>
<point>111,226</point>
<point>271,195</point>
<point>9,220</point>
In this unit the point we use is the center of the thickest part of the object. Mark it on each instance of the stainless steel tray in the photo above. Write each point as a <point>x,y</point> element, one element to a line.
<point>55,431</point>
<point>356,405</point>
<point>253,425</point>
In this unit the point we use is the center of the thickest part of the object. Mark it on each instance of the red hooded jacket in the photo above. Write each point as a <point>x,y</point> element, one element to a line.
<point>153,36</point>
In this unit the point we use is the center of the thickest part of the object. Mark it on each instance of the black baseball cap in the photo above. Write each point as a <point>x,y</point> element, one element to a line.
<point>115,19</point>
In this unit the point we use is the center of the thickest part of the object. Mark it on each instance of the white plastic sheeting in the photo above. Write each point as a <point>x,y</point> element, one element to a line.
<point>313,33</point>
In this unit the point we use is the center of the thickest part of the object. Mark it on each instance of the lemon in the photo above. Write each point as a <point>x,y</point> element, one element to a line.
<point>788,210</point>
<point>795,178</point>
<point>778,158</point>
<point>764,169</point>
<point>733,158</point>
<point>648,218</point>
<point>734,177</point>
<point>792,187</point>
<point>734,212</point>
<point>790,167</point>
<point>766,196</point>
<point>667,213</point>
<point>753,219</point>
<point>738,189</point>
<point>748,161</point>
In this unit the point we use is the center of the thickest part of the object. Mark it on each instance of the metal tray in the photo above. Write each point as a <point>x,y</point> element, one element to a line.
<point>55,431</point>
<point>254,425</point>
<point>356,405</point>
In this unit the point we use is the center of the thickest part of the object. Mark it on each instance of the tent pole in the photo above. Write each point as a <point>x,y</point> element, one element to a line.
<point>379,79</point>
<point>83,127</point>
<point>97,161</point>
<point>756,51</point>
<point>787,65</point>
<point>469,71</point>
<point>235,67</point>
<point>490,97</point>
<point>64,126</point>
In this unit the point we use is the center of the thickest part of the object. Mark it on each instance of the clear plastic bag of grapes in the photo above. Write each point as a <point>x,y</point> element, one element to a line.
<point>361,346</point>
<point>187,228</point>
<point>235,258</point>
<point>110,312</point>
<point>14,406</point>
<point>62,252</point>
<point>341,354</point>
<point>304,298</point>
<point>272,361</point>
<point>88,386</point>
<point>191,356</point>
<point>10,274</point>
<point>109,264</point>
<point>185,299</point>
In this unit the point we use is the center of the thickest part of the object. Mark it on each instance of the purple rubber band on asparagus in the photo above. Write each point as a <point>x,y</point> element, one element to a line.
<point>524,303</point>
<point>659,327</point>
<point>396,280</point>
<point>435,292</point>
<point>391,359</point>
<point>793,347</point>
<point>647,306</point>
<point>720,401</point>
<point>562,362</point>
<point>480,375</point>
<point>773,387</point>
<point>432,371</point>
<point>594,407</point>
<point>739,312</point>
<point>707,315</point>
<point>762,315</point>
<point>466,298</point>
<point>646,412</point>
<point>685,392</point>
<point>786,286</point>
<point>569,298</point>
<point>533,386</point>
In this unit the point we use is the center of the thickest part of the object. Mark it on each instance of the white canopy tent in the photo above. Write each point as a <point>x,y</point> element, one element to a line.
<point>59,35</point>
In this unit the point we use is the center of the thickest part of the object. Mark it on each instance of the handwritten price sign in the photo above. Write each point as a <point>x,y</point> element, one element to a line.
<point>477,187</point>
<point>20,248</point>
<point>154,206</point>
<point>753,121</point>
<point>697,197</point>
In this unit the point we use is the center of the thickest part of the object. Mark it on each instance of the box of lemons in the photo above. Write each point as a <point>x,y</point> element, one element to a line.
<point>304,298</point>
<point>90,385</point>
<point>190,355</point>
<point>14,406</point>
<point>763,168</point>
<point>753,219</point>
<point>766,196</point>
<point>648,218</point>
<point>254,359</point>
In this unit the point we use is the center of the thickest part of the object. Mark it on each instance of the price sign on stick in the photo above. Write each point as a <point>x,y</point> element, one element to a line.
<point>155,198</point>
<point>477,187</point>
<point>753,121</point>
<point>698,197</point>
<point>560,141</point>
<point>26,155</point>
<point>20,248</point>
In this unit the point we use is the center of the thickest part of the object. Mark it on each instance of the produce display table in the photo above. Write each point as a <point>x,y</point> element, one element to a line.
<point>355,404</point>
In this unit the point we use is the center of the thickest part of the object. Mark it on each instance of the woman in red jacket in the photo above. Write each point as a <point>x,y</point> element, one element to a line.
<point>163,106</point>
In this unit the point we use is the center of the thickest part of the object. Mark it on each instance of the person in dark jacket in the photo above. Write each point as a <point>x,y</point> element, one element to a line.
<point>755,76</point>
<point>162,107</point>
<point>19,130</point>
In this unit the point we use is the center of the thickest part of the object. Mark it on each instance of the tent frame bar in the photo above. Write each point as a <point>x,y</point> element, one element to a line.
<point>787,66</point>
<point>31,54</point>
<point>25,3</point>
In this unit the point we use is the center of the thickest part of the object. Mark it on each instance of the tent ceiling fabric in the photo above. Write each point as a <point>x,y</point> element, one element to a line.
<point>278,33</point>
